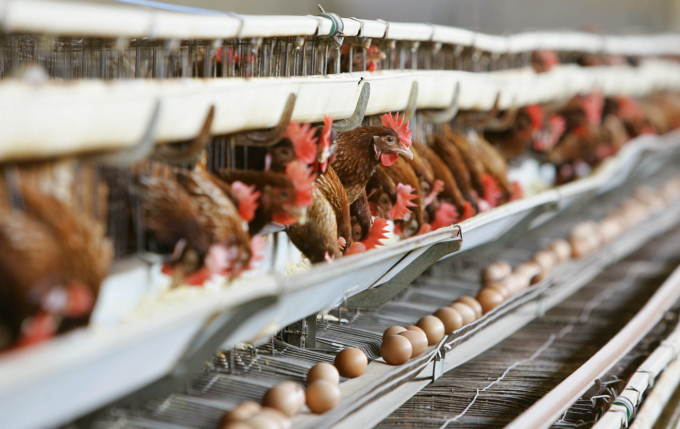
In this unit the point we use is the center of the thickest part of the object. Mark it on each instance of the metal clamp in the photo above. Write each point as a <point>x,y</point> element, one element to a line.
<point>337,26</point>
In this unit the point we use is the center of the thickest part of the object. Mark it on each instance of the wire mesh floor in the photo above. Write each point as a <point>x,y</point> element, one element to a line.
<point>494,388</point>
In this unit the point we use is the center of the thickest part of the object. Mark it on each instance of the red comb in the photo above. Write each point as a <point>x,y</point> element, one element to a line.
<point>304,142</point>
<point>424,229</point>
<point>436,189</point>
<point>445,216</point>
<point>247,198</point>
<point>356,247</point>
<point>629,109</point>
<point>405,193</point>
<point>400,127</point>
<point>376,234</point>
<point>517,193</point>
<point>536,115</point>
<point>468,211</point>
<point>303,181</point>
<point>592,105</point>
<point>198,278</point>
<point>492,191</point>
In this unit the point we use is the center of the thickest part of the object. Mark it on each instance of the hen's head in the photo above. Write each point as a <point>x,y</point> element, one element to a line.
<point>380,202</point>
<point>289,198</point>
<point>392,140</point>
<point>299,143</point>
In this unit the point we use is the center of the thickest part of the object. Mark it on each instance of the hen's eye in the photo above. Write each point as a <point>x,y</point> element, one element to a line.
<point>285,152</point>
<point>283,194</point>
<point>356,233</point>
<point>390,139</point>
<point>384,200</point>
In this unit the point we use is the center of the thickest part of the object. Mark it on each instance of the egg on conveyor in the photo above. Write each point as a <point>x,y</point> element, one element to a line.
<point>496,272</point>
<point>562,249</point>
<point>324,371</point>
<point>287,397</point>
<point>396,349</point>
<point>351,362</point>
<point>465,311</point>
<point>490,298</point>
<point>433,329</point>
<point>268,419</point>
<point>393,330</point>
<point>242,411</point>
<point>500,287</point>
<point>473,303</point>
<point>235,425</point>
<point>414,328</point>
<point>418,341</point>
<point>451,318</point>
<point>322,396</point>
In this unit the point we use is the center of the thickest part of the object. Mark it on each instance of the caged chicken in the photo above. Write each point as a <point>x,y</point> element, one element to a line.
<point>53,260</point>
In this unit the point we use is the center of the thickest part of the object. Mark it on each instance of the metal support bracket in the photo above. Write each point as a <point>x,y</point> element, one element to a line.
<point>201,350</point>
<point>138,152</point>
<point>375,297</point>
<point>270,137</point>
<point>447,114</point>
<point>174,154</point>
<point>410,109</point>
<point>358,116</point>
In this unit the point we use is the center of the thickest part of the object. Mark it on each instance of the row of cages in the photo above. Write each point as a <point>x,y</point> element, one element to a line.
<point>68,58</point>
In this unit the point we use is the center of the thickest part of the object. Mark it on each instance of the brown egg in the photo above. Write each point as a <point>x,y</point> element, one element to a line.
<point>489,298</point>
<point>393,330</point>
<point>351,362</point>
<point>451,318</point>
<point>470,301</point>
<point>324,371</point>
<point>465,311</point>
<point>285,397</point>
<point>500,287</point>
<point>418,341</point>
<point>322,396</point>
<point>547,259</point>
<point>433,329</point>
<point>235,425</point>
<point>580,248</point>
<point>610,229</point>
<point>414,328</point>
<point>264,421</point>
<point>527,270</point>
<point>242,411</point>
<point>396,350</point>
<point>277,415</point>
<point>514,283</point>
<point>562,249</point>
<point>496,271</point>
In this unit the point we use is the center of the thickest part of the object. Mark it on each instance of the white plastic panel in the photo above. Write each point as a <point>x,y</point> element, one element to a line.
<point>407,31</point>
<point>491,43</point>
<point>74,19</point>
<point>271,26</point>
<point>168,25</point>
<point>372,28</point>
<point>452,35</point>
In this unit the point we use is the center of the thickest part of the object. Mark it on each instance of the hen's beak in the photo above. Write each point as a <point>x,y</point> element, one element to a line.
<point>404,151</point>
<point>299,213</point>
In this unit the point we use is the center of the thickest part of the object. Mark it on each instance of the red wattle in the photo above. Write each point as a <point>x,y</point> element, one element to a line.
<point>388,159</point>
